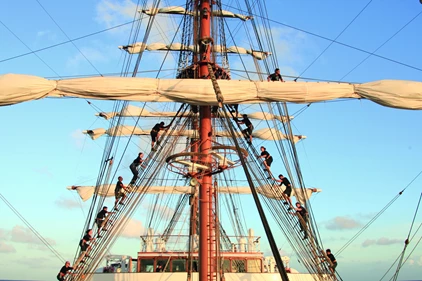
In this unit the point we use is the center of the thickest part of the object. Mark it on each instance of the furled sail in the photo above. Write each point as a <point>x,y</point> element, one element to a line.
<point>123,130</point>
<point>392,93</point>
<point>177,10</point>
<point>137,48</point>
<point>136,111</point>
<point>107,190</point>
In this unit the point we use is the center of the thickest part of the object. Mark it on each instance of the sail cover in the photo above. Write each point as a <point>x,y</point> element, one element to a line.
<point>135,111</point>
<point>123,130</point>
<point>107,190</point>
<point>392,93</point>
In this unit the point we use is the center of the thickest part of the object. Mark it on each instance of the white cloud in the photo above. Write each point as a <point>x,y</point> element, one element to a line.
<point>113,12</point>
<point>386,241</point>
<point>21,234</point>
<point>340,223</point>
<point>383,241</point>
<point>6,248</point>
<point>78,138</point>
<point>415,261</point>
<point>133,229</point>
<point>367,215</point>
<point>164,211</point>
<point>42,33</point>
<point>368,242</point>
<point>3,234</point>
<point>67,203</point>
<point>94,55</point>
<point>419,262</point>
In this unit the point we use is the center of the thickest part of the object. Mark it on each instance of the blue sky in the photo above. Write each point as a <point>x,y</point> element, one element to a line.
<point>361,154</point>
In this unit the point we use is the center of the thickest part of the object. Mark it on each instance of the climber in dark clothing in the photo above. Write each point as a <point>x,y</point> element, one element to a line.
<point>155,132</point>
<point>65,269</point>
<point>134,167</point>
<point>249,127</point>
<point>268,159</point>
<point>276,76</point>
<point>288,191</point>
<point>101,216</point>
<point>84,241</point>
<point>300,210</point>
<point>333,260</point>
<point>234,108</point>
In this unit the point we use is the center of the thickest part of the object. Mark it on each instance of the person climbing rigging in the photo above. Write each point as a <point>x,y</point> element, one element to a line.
<point>333,260</point>
<point>118,192</point>
<point>155,132</point>
<point>249,127</point>
<point>84,243</point>
<point>300,210</point>
<point>234,108</point>
<point>63,271</point>
<point>101,216</point>
<point>276,76</point>
<point>134,167</point>
<point>287,192</point>
<point>268,159</point>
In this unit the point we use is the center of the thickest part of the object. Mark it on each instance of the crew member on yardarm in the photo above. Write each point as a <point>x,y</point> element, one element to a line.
<point>134,167</point>
<point>276,76</point>
<point>155,132</point>
<point>63,271</point>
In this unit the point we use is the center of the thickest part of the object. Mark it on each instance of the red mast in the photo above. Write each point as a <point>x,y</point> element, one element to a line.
<point>206,213</point>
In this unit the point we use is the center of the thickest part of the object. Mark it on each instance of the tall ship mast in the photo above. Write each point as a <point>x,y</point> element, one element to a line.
<point>209,149</point>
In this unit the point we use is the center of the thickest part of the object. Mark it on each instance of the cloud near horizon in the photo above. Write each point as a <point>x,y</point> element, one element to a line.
<point>341,223</point>
<point>22,235</point>
<point>133,229</point>
<point>6,248</point>
<point>383,241</point>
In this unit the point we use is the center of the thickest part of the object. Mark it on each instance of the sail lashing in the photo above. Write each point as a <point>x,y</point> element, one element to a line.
<point>15,88</point>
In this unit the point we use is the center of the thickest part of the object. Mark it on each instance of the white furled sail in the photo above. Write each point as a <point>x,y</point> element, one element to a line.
<point>135,111</point>
<point>177,10</point>
<point>16,88</point>
<point>138,47</point>
<point>122,130</point>
<point>107,190</point>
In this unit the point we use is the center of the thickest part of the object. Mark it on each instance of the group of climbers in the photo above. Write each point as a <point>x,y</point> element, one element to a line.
<point>120,196</point>
<point>247,132</point>
<point>301,212</point>
<point>101,218</point>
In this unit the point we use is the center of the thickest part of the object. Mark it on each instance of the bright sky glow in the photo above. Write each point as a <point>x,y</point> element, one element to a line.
<point>359,153</point>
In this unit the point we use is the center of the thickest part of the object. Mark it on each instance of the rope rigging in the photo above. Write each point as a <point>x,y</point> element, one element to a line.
<point>33,230</point>
<point>366,226</point>
<point>291,224</point>
<point>406,242</point>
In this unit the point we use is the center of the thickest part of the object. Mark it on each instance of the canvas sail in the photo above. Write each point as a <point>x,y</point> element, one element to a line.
<point>392,93</point>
